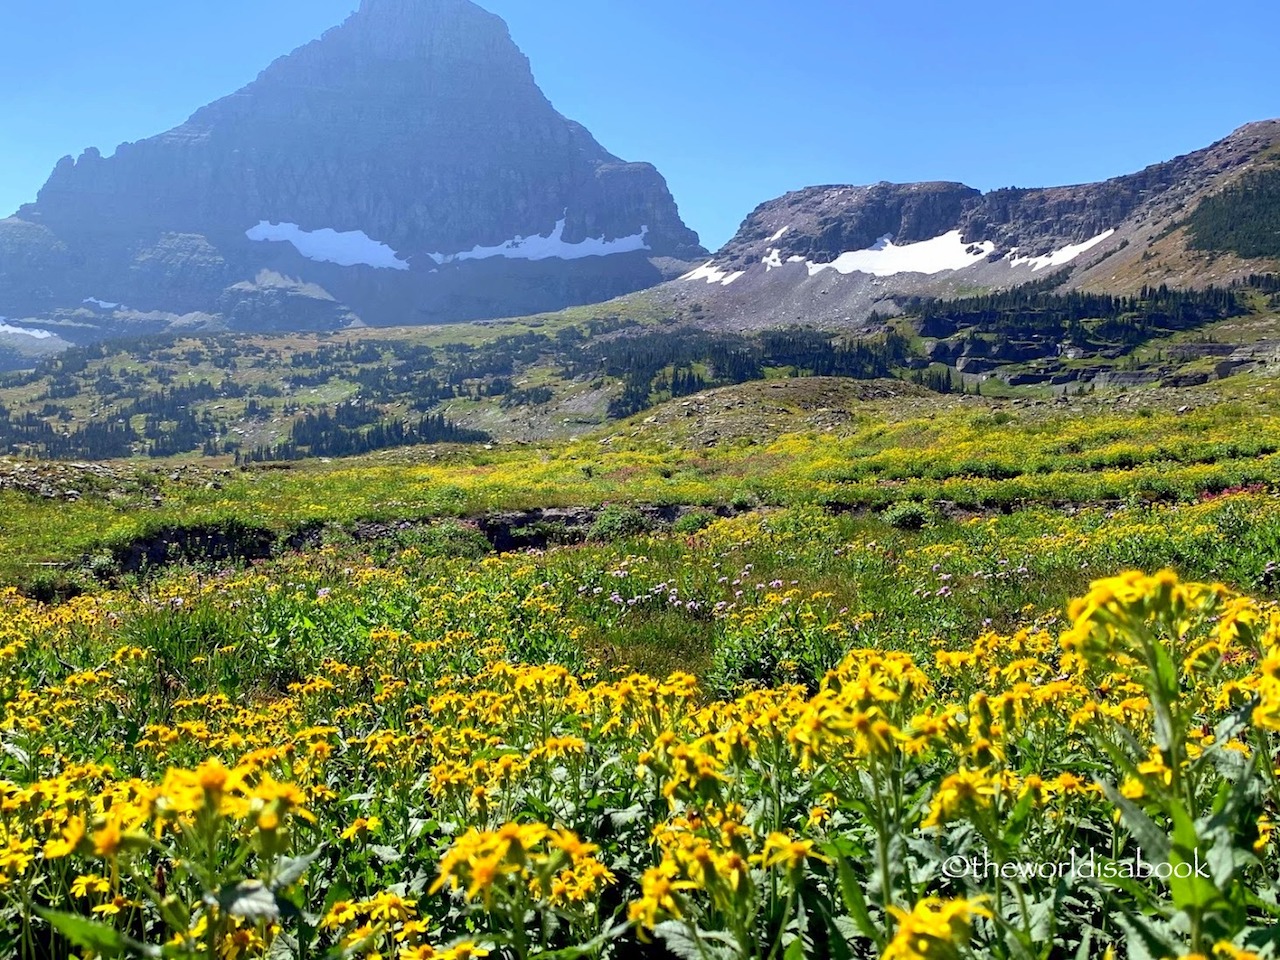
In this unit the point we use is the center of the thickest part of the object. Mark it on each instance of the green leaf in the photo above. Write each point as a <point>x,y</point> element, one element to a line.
<point>1153,841</point>
<point>816,899</point>
<point>1166,694</point>
<point>420,825</point>
<point>290,869</point>
<point>1041,917</point>
<point>625,818</point>
<point>95,936</point>
<point>854,901</point>
<point>1264,940</point>
<point>687,945</point>
<point>1017,823</point>
<point>1224,859</point>
<point>384,853</point>
<point>251,900</point>
<point>284,947</point>
<point>1193,893</point>
<point>843,932</point>
<point>1144,941</point>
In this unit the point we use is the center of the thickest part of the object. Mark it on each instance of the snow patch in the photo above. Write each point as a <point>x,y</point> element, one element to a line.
<point>885,258</point>
<point>712,274</point>
<point>100,304</point>
<point>1059,257</point>
<point>777,236</point>
<point>552,246</point>
<point>774,259</point>
<point>23,331</point>
<point>348,249</point>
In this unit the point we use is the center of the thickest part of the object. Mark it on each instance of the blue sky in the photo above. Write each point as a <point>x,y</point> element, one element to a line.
<point>735,101</point>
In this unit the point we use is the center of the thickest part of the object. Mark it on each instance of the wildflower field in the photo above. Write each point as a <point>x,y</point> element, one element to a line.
<point>799,731</point>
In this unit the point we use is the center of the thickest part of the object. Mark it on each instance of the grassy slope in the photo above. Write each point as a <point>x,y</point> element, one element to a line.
<point>788,443</point>
<point>268,361</point>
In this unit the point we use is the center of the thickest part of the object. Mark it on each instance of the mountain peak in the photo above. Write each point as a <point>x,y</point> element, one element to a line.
<point>1259,128</point>
<point>412,29</point>
<point>406,11</point>
<point>411,134</point>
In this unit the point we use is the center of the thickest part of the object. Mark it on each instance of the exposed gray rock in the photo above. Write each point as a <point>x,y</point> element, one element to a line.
<point>1121,379</point>
<point>1027,378</point>
<point>786,264</point>
<point>1192,351</point>
<point>1193,379</point>
<point>823,222</point>
<point>417,123</point>
<point>271,302</point>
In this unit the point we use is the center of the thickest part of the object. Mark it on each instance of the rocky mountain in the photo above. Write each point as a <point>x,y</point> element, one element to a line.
<point>404,168</point>
<point>834,254</point>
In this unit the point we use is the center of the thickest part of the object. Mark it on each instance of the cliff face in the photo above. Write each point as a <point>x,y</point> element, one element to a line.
<point>820,223</point>
<point>414,128</point>
<point>834,254</point>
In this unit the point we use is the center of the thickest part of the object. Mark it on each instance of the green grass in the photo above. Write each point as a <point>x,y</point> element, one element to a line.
<point>859,454</point>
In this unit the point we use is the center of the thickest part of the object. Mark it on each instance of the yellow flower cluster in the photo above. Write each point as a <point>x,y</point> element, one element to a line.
<point>549,865</point>
<point>454,792</point>
<point>935,929</point>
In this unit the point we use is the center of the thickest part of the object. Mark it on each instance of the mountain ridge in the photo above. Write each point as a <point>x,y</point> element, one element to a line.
<point>835,254</point>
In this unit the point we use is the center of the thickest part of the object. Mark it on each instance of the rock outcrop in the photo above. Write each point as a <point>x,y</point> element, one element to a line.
<point>835,254</point>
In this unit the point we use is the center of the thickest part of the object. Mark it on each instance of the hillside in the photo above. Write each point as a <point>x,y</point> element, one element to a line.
<point>839,443</point>
<point>299,697</point>
<point>833,255</point>
<point>249,398</point>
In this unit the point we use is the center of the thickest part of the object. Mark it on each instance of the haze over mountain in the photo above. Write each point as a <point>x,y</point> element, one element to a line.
<point>404,168</point>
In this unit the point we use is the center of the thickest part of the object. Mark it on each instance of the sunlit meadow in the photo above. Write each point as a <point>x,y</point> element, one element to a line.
<point>869,712</point>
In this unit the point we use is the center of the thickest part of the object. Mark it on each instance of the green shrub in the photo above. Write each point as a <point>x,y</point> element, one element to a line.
<point>693,522</point>
<point>446,539</point>
<point>617,523</point>
<point>451,538</point>
<point>907,515</point>
<point>786,643</point>
<point>101,566</point>
<point>55,586</point>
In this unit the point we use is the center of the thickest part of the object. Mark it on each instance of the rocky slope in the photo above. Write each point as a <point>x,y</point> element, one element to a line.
<point>388,172</point>
<point>833,254</point>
